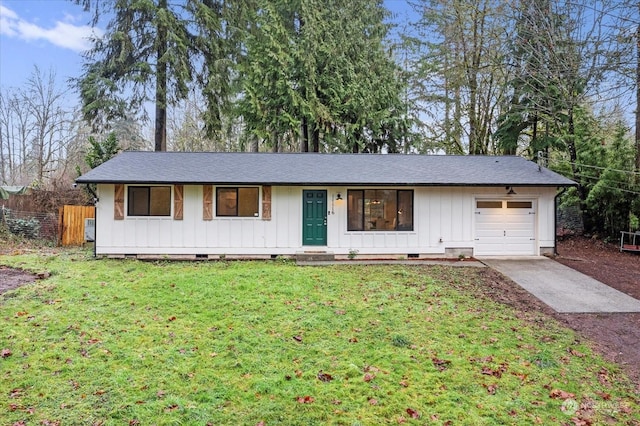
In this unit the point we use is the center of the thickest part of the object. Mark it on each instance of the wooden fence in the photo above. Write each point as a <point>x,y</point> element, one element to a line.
<point>71,224</point>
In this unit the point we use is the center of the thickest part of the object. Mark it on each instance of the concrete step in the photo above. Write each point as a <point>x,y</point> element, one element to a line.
<point>315,256</point>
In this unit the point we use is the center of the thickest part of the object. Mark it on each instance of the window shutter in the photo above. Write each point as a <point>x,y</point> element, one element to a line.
<point>178,191</point>
<point>207,202</point>
<point>266,203</point>
<point>118,202</point>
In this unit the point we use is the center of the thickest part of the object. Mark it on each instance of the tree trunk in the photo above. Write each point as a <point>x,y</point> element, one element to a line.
<point>304,143</point>
<point>638,102</point>
<point>161,86</point>
<point>316,139</point>
<point>583,193</point>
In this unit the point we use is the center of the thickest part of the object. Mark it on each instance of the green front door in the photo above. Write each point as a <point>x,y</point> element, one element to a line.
<point>314,218</point>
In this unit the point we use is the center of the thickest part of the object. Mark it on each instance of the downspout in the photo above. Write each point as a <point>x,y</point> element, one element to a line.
<point>95,220</point>
<point>555,220</point>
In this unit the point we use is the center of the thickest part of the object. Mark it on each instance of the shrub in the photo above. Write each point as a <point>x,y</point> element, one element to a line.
<point>29,228</point>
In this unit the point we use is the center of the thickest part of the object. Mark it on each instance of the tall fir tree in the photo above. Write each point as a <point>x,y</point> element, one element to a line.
<point>320,70</point>
<point>154,51</point>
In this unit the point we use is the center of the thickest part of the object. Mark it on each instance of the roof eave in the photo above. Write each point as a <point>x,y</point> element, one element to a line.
<point>387,184</point>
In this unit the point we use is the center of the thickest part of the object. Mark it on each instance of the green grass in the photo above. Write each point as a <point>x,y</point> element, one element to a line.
<point>128,342</point>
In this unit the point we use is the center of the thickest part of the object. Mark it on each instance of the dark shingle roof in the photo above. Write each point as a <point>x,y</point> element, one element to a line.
<point>321,169</point>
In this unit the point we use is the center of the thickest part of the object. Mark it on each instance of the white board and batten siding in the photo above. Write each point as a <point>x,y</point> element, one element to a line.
<point>444,218</point>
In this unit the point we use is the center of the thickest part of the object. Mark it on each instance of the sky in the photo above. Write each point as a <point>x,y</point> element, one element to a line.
<point>49,34</point>
<point>52,34</point>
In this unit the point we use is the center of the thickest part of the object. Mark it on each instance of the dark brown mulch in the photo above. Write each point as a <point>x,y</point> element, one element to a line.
<point>617,336</point>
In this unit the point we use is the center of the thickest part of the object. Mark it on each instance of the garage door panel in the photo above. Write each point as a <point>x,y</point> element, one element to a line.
<point>509,230</point>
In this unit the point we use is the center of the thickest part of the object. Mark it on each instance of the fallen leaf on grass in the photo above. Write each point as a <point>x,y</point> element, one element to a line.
<point>297,338</point>
<point>172,407</point>
<point>373,401</point>
<point>575,353</point>
<point>324,377</point>
<point>441,364</point>
<point>603,395</point>
<point>603,377</point>
<point>305,399</point>
<point>368,377</point>
<point>171,319</point>
<point>6,353</point>
<point>491,389</point>
<point>560,394</point>
<point>581,422</point>
<point>488,371</point>
<point>413,413</point>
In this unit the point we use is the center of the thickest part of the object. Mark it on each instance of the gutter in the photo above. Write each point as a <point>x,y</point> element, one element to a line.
<point>95,227</point>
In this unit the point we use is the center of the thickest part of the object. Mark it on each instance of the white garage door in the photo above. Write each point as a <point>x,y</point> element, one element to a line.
<point>505,228</point>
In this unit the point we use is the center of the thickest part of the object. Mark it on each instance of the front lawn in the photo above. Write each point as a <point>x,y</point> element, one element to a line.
<point>127,342</point>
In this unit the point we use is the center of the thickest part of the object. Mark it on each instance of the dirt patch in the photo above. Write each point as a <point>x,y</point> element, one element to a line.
<point>13,278</point>
<point>617,336</point>
<point>602,261</point>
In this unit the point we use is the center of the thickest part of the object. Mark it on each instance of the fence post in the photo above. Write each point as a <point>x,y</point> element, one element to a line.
<point>60,226</point>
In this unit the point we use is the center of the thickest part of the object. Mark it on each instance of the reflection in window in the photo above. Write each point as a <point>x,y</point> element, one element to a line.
<point>242,202</point>
<point>149,201</point>
<point>380,210</point>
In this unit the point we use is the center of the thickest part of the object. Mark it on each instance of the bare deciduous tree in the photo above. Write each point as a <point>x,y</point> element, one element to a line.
<point>36,127</point>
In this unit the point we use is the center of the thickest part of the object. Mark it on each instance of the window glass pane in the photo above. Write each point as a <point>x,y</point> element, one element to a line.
<point>519,204</point>
<point>138,201</point>
<point>489,204</point>
<point>380,208</point>
<point>405,211</point>
<point>226,202</point>
<point>160,204</point>
<point>354,210</point>
<point>248,202</point>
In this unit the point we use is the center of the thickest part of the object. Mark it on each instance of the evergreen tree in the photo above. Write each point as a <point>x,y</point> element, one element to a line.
<point>154,46</point>
<point>320,70</point>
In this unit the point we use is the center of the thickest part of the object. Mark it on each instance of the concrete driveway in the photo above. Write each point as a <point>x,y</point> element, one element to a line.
<point>562,288</point>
